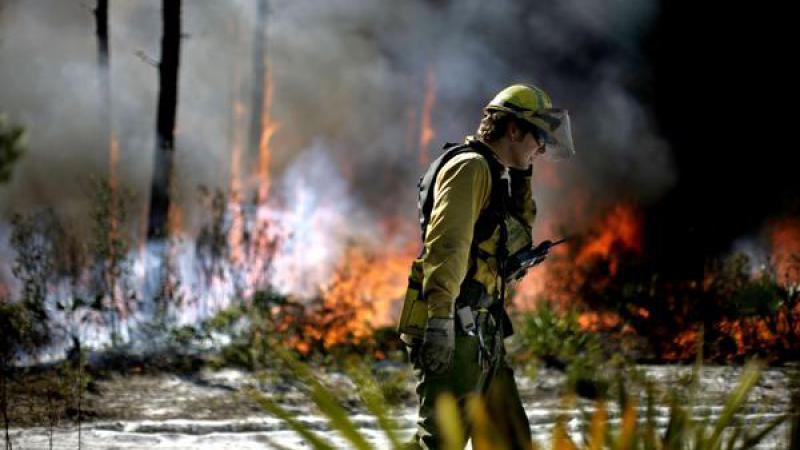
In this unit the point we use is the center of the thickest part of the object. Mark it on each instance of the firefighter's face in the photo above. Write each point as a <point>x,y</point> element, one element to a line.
<point>524,147</point>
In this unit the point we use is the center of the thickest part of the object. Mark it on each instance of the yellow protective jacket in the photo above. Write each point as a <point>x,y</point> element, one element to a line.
<point>461,193</point>
<point>461,213</point>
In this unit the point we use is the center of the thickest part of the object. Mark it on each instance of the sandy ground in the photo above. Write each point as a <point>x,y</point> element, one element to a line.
<point>207,411</point>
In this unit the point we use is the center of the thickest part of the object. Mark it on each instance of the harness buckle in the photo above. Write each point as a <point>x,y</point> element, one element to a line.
<point>467,319</point>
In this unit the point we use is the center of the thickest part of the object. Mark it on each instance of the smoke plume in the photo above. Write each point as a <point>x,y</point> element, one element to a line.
<point>349,79</point>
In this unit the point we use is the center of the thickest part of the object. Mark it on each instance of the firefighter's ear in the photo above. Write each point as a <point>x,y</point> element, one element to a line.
<point>515,133</point>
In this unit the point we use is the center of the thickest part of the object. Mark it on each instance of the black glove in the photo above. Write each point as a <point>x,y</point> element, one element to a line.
<point>438,345</point>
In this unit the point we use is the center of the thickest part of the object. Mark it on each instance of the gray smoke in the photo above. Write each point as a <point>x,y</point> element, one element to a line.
<point>349,79</point>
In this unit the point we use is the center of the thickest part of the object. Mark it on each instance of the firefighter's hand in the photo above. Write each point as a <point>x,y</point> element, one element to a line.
<point>539,260</point>
<point>438,345</point>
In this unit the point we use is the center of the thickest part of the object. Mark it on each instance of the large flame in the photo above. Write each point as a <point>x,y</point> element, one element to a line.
<point>263,239</point>
<point>368,284</point>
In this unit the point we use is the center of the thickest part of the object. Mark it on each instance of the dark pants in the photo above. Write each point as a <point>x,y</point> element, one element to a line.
<point>504,407</point>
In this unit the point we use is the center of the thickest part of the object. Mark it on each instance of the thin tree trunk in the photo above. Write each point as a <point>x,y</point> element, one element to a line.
<point>52,416</point>
<point>104,75</point>
<point>259,69</point>
<point>80,393</point>
<point>4,406</point>
<point>101,21</point>
<point>165,121</point>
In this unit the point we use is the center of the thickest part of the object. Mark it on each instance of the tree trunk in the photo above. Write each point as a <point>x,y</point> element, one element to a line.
<point>77,344</point>
<point>106,122</point>
<point>4,401</point>
<point>104,73</point>
<point>101,20</point>
<point>259,68</point>
<point>165,121</point>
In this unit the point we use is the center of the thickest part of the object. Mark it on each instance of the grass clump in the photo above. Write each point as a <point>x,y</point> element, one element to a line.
<point>557,340</point>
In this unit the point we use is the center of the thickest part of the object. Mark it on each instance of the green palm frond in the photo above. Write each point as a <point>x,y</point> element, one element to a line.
<point>316,442</point>
<point>682,431</point>
<point>375,403</point>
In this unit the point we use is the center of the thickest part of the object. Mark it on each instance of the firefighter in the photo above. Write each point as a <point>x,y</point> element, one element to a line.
<point>476,208</point>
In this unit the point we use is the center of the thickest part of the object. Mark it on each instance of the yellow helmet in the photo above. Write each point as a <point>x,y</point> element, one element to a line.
<point>532,105</point>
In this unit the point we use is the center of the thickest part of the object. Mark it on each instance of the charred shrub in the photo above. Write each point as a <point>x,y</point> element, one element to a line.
<point>11,147</point>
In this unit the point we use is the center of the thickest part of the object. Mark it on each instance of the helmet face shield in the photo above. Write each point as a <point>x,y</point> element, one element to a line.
<point>557,133</point>
<point>533,105</point>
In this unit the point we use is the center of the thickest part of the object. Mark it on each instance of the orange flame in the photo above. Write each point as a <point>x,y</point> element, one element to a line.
<point>236,232</point>
<point>174,214</point>
<point>747,334</point>
<point>759,333</point>
<point>113,230</point>
<point>620,229</point>
<point>236,130</point>
<point>113,182</point>
<point>594,321</point>
<point>113,161</point>
<point>411,137</point>
<point>268,129</point>
<point>684,345</point>
<point>262,244</point>
<point>784,238</point>
<point>426,132</point>
<point>370,284</point>
<point>556,279</point>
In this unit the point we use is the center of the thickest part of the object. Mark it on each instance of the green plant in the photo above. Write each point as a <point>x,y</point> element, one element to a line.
<point>23,333</point>
<point>557,339</point>
<point>546,333</point>
<point>109,246</point>
<point>394,386</point>
<point>211,244</point>
<point>25,324</point>
<point>750,311</point>
<point>246,331</point>
<point>746,310</point>
<point>34,259</point>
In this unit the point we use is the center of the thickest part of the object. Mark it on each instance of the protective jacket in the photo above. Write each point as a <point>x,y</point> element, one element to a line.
<point>474,212</point>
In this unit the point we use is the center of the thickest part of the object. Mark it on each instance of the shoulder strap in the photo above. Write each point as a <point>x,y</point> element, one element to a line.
<point>428,179</point>
<point>495,211</point>
<point>493,217</point>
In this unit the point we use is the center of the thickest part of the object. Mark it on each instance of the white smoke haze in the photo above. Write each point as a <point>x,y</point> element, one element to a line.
<point>318,223</point>
<point>349,80</point>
